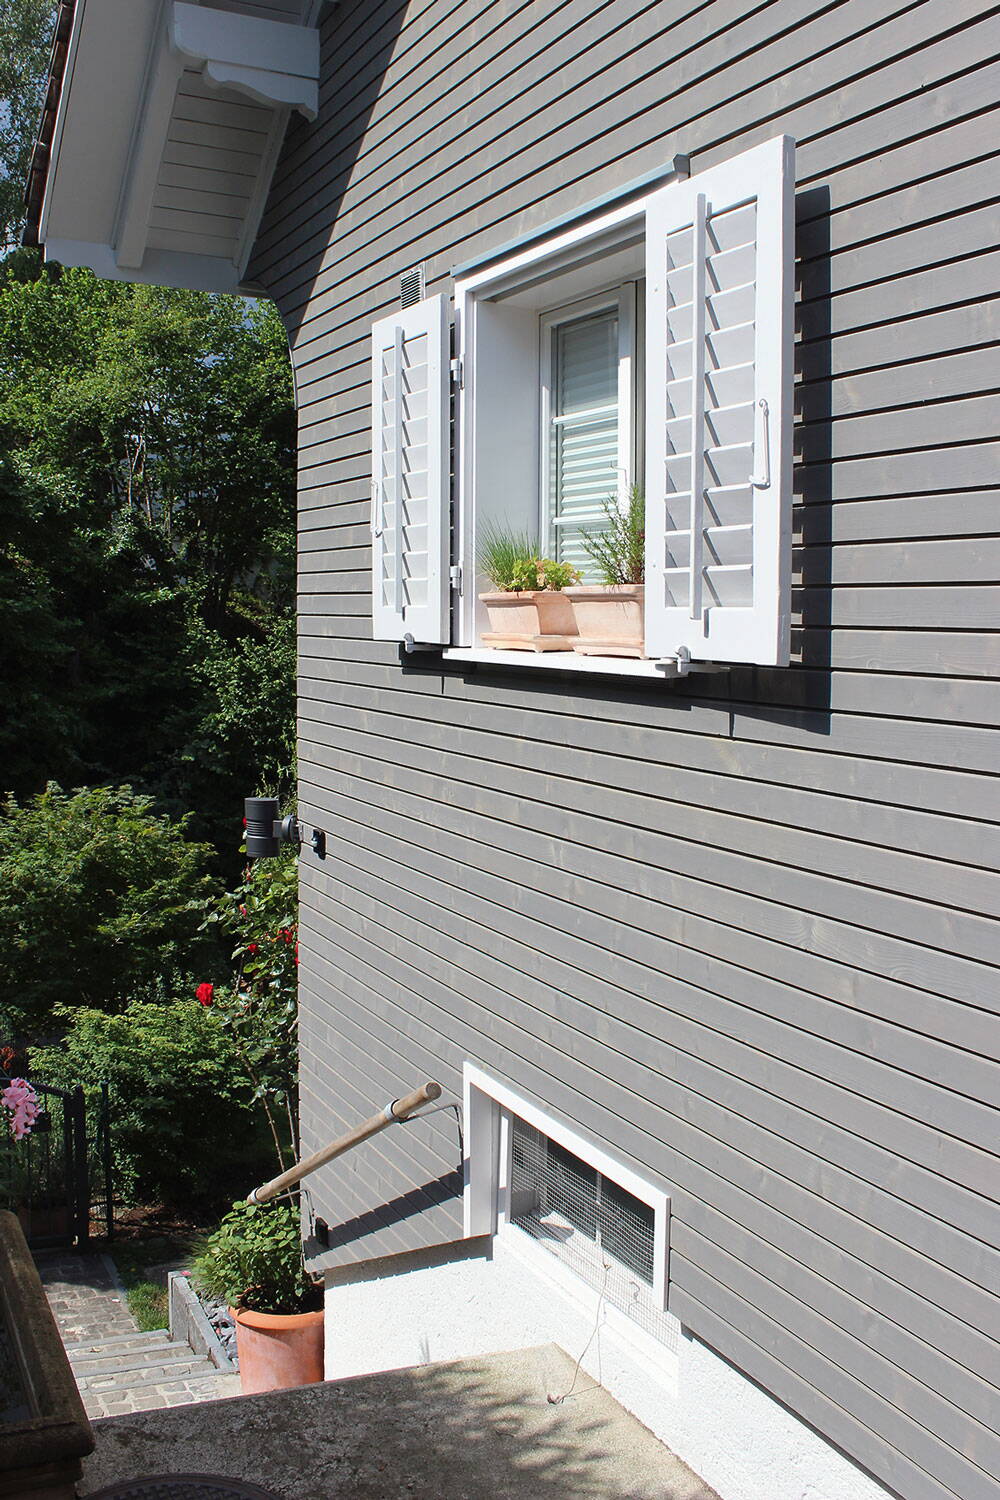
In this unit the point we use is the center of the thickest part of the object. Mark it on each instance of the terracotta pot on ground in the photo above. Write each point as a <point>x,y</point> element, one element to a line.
<point>277,1351</point>
<point>609,619</point>
<point>535,620</point>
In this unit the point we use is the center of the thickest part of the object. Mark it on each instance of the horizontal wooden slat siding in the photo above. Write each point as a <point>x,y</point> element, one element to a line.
<point>741,930</point>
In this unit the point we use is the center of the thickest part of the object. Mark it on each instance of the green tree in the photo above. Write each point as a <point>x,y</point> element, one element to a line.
<point>100,899</point>
<point>184,1132</point>
<point>25,36</point>
<point>149,486</point>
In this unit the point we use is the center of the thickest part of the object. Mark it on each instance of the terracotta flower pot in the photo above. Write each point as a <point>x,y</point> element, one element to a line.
<point>609,619</point>
<point>535,620</point>
<point>276,1351</point>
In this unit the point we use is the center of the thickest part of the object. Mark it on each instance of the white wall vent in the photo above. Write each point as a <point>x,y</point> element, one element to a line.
<point>411,287</point>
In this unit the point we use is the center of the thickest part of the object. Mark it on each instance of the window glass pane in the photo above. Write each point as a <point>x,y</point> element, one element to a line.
<point>583,437</point>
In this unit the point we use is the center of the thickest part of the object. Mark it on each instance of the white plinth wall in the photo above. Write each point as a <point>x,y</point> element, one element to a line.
<point>742,1443</point>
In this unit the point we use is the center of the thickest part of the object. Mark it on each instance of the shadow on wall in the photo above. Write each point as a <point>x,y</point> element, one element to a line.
<point>417,1201</point>
<point>800,696</point>
<point>319,158</point>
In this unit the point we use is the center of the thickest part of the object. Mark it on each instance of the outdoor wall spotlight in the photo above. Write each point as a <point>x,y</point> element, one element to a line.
<point>266,832</point>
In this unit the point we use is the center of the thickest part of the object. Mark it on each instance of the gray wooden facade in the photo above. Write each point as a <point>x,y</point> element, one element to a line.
<point>738,928</point>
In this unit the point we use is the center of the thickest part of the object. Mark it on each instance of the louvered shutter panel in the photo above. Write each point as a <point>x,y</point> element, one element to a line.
<point>719,297</point>
<point>410,474</point>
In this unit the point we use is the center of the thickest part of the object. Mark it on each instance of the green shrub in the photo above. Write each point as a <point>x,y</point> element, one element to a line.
<point>184,1130</point>
<point>99,897</point>
<point>254,1261</point>
<point>258,1008</point>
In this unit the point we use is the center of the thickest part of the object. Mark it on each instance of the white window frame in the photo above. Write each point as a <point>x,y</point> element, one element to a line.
<point>489,1103</point>
<point>621,300</point>
<point>474,293</point>
<point>493,458</point>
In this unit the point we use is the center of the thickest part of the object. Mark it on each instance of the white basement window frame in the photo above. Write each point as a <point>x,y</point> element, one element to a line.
<point>491,1107</point>
<point>713,255</point>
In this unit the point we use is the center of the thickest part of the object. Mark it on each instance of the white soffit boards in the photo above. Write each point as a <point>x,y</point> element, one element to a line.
<point>170,122</point>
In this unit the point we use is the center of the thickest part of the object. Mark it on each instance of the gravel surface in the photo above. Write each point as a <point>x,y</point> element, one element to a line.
<point>218,1315</point>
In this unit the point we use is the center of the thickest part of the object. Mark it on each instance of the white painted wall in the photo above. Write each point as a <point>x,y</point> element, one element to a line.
<point>734,1436</point>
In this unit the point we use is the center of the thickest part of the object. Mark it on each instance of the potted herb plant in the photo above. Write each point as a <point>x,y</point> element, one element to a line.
<point>253,1262</point>
<point>527,608</point>
<point>609,615</point>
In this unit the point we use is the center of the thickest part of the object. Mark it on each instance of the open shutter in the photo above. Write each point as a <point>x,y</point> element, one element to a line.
<point>719,296</point>
<point>410,475</point>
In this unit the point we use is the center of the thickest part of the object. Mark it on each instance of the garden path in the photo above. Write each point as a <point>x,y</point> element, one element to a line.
<point>117,1368</point>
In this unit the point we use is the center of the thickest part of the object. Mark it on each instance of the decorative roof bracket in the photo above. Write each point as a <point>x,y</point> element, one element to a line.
<point>273,62</point>
<point>276,62</point>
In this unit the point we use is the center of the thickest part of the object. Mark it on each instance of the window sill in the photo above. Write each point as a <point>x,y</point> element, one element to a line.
<point>568,661</point>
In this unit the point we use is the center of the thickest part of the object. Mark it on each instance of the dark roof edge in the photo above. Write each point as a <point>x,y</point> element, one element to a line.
<point>38,172</point>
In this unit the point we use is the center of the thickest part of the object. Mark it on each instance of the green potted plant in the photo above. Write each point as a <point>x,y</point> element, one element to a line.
<point>253,1262</point>
<point>609,615</point>
<point>527,608</point>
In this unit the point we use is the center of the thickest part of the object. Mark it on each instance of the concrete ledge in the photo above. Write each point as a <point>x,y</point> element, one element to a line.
<point>40,1453</point>
<point>189,1324</point>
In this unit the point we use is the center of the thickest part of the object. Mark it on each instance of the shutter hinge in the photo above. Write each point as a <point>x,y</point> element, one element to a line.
<point>456,577</point>
<point>457,375</point>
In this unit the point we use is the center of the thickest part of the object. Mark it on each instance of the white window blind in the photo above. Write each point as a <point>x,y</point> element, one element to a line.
<point>719,257</point>
<point>410,474</point>
<point>583,437</point>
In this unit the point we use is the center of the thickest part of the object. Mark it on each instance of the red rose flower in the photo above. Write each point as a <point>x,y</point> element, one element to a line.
<point>204,994</point>
<point>251,948</point>
<point>286,934</point>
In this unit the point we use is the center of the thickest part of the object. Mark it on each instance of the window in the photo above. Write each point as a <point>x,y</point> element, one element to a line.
<point>555,410</point>
<point>565,1206</point>
<point>587,396</point>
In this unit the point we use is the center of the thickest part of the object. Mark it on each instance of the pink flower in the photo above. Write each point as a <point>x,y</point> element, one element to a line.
<point>20,1099</point>
<point>204,994</point>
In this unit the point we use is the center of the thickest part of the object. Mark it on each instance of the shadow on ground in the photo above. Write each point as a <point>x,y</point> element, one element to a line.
<point>457,1431</point>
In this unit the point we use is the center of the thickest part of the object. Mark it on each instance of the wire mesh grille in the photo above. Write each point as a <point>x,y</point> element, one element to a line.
<point>597,1229</point>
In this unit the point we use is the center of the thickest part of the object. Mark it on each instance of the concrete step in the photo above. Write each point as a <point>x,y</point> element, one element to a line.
<point>117,1340</point>
<point>152,1355</point>
<point>193,1368</point>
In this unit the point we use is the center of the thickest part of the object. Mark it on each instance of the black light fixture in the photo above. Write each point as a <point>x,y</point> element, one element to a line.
<point>266,832</point>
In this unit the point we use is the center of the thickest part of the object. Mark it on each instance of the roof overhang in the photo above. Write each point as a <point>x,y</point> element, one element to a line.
<point>165,136</point>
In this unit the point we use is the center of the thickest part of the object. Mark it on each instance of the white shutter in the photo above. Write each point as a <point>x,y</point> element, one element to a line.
<point>719,297</point>
<point>410,475</point>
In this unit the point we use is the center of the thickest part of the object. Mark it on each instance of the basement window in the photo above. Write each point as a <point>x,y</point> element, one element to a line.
<point>587,1221</point>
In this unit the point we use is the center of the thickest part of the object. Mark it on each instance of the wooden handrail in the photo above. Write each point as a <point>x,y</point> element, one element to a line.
<point>393,1114</point>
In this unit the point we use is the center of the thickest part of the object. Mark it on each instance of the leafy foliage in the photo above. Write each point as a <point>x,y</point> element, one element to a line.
<point>619,547</point>
<point>147,540</point>
<point>183,1129</point>
<point>258,1007</point>
<point>556,575</point>
<point>99,897</point>
<point>25,35</point>
<point>254,1261</point>
<point>509,559</point>
<point>511,562</point>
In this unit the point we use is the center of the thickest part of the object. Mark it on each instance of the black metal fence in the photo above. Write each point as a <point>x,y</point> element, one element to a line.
<point>57,1179</point>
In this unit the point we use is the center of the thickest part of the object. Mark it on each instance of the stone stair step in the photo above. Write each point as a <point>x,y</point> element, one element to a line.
<point>115,1361</point>
<point>135,1337</point>
<point>193,1369</point>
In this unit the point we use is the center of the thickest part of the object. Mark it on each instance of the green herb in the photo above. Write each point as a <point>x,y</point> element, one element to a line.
<point>619,548</point>
<point>509,559</point>
<point>254,1260</point>
<point>556,575</point>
